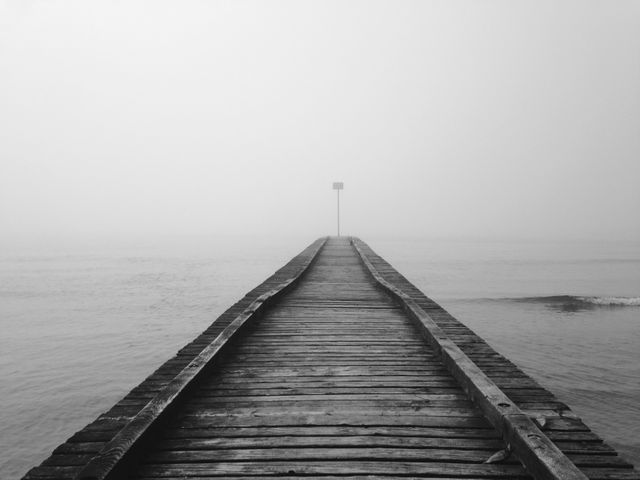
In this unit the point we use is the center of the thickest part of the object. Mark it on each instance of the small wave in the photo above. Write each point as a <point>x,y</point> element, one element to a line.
<point>572,303</point>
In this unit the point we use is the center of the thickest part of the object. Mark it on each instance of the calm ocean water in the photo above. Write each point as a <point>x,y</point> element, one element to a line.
<point>83,323</point>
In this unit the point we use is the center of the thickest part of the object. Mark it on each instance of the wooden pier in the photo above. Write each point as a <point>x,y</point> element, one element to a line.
<point>336,366</point>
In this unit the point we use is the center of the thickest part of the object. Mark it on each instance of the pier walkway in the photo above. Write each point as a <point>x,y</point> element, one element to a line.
<point>336,366</point>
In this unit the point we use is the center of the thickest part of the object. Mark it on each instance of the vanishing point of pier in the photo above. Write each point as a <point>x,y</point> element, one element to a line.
<point>336,367</point>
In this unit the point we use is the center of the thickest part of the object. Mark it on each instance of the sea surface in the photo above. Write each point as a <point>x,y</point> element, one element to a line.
<point>83,322</point>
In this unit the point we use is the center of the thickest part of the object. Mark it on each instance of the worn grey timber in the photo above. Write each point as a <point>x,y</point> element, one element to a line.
<point>336,366</point>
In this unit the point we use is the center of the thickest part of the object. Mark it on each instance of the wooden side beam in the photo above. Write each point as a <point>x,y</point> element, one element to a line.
<point>537,453</point>
<point>117,455</point>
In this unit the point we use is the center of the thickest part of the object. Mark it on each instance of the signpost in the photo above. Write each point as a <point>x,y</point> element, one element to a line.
<point>337,186</point>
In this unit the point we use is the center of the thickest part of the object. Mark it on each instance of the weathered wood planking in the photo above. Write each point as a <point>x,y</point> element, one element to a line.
<point>334,381</point>
<point>345,327</point>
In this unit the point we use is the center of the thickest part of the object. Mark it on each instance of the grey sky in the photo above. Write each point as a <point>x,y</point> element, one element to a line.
<point>442,118</point>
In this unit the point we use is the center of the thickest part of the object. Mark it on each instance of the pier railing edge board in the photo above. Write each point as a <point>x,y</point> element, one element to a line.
<point>536,451</point>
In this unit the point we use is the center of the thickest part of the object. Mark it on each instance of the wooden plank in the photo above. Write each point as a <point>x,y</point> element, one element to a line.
<point>404,409</point>
<point>430,418</point>
<point>279,468</point>
<point>381,382</point>
<point>454,430</point>
<point>290,476</point>
<point>333,371</point>
<point>301,390</point>
<point>326,441</point>
<point>324,454</point>
<point>313,398</point>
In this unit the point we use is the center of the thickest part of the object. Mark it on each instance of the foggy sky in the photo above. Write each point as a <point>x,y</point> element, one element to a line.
<point>480,118</point>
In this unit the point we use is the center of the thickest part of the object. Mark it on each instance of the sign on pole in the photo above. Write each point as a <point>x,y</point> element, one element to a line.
<point>338,185</point>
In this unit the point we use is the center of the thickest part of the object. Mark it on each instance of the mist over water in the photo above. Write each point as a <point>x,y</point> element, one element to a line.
<point>82,325</point>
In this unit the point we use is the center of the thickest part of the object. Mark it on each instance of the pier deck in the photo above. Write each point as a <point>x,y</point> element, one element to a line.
<point>336,366</point>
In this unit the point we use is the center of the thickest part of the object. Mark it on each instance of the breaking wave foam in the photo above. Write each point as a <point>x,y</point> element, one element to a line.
<point>584,301</point>
<point>613,301</point>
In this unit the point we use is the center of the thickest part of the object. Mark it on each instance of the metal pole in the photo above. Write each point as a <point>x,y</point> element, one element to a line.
<point>338,186</point>
<point>338,212</point>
